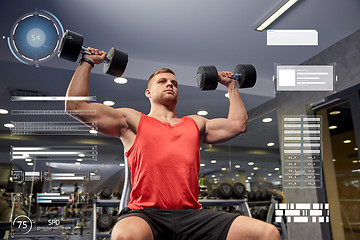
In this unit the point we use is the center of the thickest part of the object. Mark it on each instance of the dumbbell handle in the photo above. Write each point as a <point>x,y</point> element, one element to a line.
<point>236,77</point>
<point>84,50</point>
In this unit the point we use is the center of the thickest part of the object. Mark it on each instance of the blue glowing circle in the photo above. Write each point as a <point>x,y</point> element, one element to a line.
<point>35,37</point>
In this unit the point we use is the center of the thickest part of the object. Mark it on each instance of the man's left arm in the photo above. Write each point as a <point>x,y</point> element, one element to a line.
<point>223,129</point>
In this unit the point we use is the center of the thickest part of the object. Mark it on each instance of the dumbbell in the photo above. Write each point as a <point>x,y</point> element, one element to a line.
<point>224,191</point>
<point>239,190</point>
<point>71,46</point>
<point>106,193</point>
<point>244,74</point>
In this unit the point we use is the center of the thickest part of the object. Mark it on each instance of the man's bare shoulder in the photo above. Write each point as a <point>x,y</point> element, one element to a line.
<point>200,121</point>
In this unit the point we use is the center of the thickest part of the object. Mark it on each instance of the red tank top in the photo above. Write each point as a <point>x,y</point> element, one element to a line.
<point>164,163</point>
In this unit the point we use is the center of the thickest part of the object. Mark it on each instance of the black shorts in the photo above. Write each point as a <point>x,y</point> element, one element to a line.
<point>184,223</point>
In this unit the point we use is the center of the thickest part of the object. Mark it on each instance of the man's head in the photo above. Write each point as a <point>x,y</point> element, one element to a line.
<point>162,87</point>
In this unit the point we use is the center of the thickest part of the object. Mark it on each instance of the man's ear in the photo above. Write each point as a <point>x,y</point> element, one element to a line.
<point>147,93</point>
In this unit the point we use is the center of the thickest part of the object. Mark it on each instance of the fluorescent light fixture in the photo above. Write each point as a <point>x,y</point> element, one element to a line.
<point>237,166</point>
<point>252,174</point>
<point>109,103</point>
<point>81,155</point>
<point>256,168</point>
<point>269,174</point>
<point>266,120</point>
<point>4,111</point>
<point>355,161</point>
<point>120,80</point>
<point>213,176</point>
<point>30,163</point>
<point>280,176</point>
<point>28,160</point>
<point>79,159</point>
<point>276,169</point>
<point>213,161</point>
<point>122,164</point>
<point>276,14</point>
<point>248,177</point>
<point>250,163</point>
<point>347,141</point>
<point>77,163</point>
<point>223,169</point>
<point>356,149</point>
<point>202,164</point>
<point>202,113</point>
<point>270,144</point>
<point>333,127</point>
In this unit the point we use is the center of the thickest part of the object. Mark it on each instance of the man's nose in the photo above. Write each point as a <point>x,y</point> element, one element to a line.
<point>169,83</point>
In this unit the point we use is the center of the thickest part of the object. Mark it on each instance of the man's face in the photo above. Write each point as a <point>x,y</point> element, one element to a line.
<point>163,88</point>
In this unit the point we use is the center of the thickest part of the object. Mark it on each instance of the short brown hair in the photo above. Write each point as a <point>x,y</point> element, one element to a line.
<point>162,70</point>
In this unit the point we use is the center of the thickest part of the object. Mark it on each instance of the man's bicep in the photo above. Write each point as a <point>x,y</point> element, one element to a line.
<point>105,119</point>
<point>221,129</point>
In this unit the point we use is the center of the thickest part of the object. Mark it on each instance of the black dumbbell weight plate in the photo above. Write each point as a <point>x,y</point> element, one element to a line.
<point>70,46</point>
<point>225,190</point>
<point>117,62</point>
<point>207,78</point>
<point>239,190</point>
<point>104,222</point>
<point>247,78</point>
<point>105,193</point>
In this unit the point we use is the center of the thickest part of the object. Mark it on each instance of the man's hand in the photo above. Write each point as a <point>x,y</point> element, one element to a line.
<point>225,78</point>
<point>96,56</point>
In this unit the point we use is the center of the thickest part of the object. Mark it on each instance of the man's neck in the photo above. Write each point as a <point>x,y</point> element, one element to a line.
<point>162,112</point>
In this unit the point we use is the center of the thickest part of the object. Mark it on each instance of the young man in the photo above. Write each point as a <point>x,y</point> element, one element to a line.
<point>164,157</point>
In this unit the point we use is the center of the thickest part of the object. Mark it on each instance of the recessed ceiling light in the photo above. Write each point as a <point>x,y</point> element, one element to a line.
<point>213,176</point>
<point>227,95</point>
<point>249,178</point>
<point>25,155</point>
<point>355,161</point>
<point>334,112</point>
<point>202,164</point>
<point>77,163</point>
<point>333,127</point>
<point>252,174</point>
<point>256,168</point>
<point>30,163</point>
<point>356,149</point>
<point>276,169</point>
<point>109,103</point>
<point>202,113</point>
<point>215,182</point>
<point>334,160</point>
<point>223,169</point>
<point>79,159</point>
<point>213,161</point>
<point>347,141</point>
<point>81,155</point>
<point>250,163</point>
<point>246,180</point>
<point>267,120</point>
<point>269,174</point>
<point>122,164</point>
<point>280,176</point>
<point>27,159</point>
<point>9,125</point>
<point>270,144</point>
<point>4,111</point>
<point>120,80</point>
<point>93,131</point>
<point>237,166</point>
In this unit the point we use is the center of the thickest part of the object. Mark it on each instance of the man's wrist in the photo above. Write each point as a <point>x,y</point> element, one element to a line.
<point>83,59</point>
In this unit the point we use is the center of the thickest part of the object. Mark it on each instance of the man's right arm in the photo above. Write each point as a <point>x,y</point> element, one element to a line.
<point>110,121</point>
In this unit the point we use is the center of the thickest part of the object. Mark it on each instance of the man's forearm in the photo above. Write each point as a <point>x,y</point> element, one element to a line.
<point>79,85</point>
<point>237,111</point>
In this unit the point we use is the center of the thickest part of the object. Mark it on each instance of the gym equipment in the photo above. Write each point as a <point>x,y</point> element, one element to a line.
<point>225,190</point>
<point>239,190</point>
<point>266,195</point>
<point>104,222</point>
<point>105,193</point>
<point>244,74</point>
<point>71,46</point>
